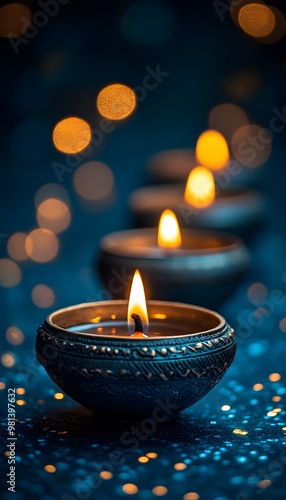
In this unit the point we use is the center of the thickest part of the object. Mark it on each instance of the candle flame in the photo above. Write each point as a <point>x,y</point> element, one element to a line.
<point>137,303</point>
<point>169,235</point>
<point>200,188</point>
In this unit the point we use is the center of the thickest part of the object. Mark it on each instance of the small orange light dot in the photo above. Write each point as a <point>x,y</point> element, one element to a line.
<point>2,386</point>
<point>59,395</point>
<point>105,474</point>
<point>192,495</point>
<point>151,454</point>
<point>50,468</point>
<point>276,399</point>
<point>159,491</point>
<point>180,466</point>
<point>130,489</point>
<point>257,387</point>
<point>143,460</point>
<point>20,390</point>
<point>274,377</point>
<point>20,402</point>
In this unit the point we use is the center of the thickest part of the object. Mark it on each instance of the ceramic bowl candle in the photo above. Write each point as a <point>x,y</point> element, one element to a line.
<point>89,353</point>
<point>202,267</point>
<point>237,210</point>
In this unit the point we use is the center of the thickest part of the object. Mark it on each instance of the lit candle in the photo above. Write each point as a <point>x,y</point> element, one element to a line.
<point>195,266</point>
<point>92,352</point>
<point>197,204</point>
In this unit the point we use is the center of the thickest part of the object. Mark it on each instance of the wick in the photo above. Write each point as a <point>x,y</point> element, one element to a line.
<point>138,323</point>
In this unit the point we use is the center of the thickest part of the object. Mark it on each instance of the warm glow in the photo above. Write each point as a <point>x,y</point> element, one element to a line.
<point>192,495</point>
<point>256,20</point>
<point>16,246</point>
<point>43,296</point>
<point>169,235</point>
<point>59,395</point>
<point>257,387</point>
<point>274,377</point>
<point>143,460</point>
<point>53,214</point>
<point>8,360</point>
<point>105,474</point>
<point>180,466</point>
<point>14,335</point>
<point>200,188</point>
<point>116,101</point>
<point>137,303</point>
<point>50,468</point>
<point>71,135</point>
<point>251,145</point>
<point>42,245</point>
<point>151,454</point>
<point>93,181</point>
<point>225,408</point>
<point>2,386</point>
<point>240,432</point>
<point>212,150</point>
<point>226,118</point>
<point>20,391</point>
<point>20,402</point>
<point>130,489</point>
<point>10,273</point>
<point>160,491</point>
<point>15,20</point>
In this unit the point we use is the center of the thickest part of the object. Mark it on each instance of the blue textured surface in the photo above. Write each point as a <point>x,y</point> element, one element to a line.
<point>88,50</point>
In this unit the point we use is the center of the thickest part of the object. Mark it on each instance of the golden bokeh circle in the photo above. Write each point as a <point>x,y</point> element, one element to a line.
<point>116,101</point>
<point>71,135</point>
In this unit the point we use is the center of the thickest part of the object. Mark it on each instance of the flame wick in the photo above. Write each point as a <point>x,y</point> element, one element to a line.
<point>138,323</point>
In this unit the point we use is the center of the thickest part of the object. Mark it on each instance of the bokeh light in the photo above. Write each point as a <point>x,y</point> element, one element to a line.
<point>147,23</point>
<point>180,466</point>
<point>16,246</point>
<point>192,495</point>
<point>257,387</point>
<point>15,19</point>
<point>43,296</point>
<point>20,402</point>
<point>212,150</point>
<point>53,214</point>
<point>200,188</point>
<point>71,135</point>
<point>256,19</point>
<point>59,395</point>
<point>160,491</point>
<point>20,391</point>
<point>130,489</point>
<point>274,377</point>
<point>106,475</point>
<point>116,101</point>
<point>50,468</point>
<point>257,293</point>
<point>227,118</point>
<point>51,190</point>
<point>242,84</point>
<point>279,30</point>
<point>251,145</point>
<point>42,245</point>
<point>14,335</point>
<point>93,181</point>
<point>10,273</point>
<point>8,360</point>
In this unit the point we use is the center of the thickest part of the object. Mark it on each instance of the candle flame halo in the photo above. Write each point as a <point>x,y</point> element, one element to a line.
<point>137,303</point>
<point>169,234</point>
<point>200,188</point>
